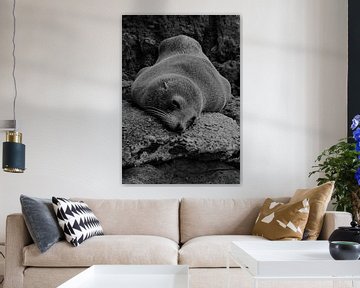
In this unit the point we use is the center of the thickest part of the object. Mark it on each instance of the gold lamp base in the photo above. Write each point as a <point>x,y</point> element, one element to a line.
<point>13,170</point>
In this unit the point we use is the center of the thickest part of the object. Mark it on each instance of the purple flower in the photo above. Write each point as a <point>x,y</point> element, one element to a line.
<point>356,134</point>
<point>357,176</point>
<point>357,147</point>
<point>355,122</point>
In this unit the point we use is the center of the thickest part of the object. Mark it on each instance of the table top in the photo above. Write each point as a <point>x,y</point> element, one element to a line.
<point>131,276</point>
<point>291,259</point>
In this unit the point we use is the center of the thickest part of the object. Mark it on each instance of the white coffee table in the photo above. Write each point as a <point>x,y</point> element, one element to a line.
<point>296,260</point>
<point>131,276</point>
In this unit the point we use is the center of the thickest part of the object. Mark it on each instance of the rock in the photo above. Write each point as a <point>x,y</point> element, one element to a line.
<point>183,171</point>
<point>213,137</point>
<point>232,109</point>
<point>142,135</point>
<point>148,49</point>
<point>228,43</point>
<point>126,90</point>
<point>231,71</point>
<point>146,174</point>
<point>129,53</point>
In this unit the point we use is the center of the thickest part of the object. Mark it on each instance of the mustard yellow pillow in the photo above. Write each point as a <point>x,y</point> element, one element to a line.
<point>319,198</point>
<point>279,221</point>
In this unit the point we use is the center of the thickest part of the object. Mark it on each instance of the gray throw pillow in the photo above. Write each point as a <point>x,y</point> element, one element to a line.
<point>41,221</point>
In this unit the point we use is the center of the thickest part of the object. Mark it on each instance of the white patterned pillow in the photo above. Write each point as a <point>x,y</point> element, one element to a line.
<point>77,220</point>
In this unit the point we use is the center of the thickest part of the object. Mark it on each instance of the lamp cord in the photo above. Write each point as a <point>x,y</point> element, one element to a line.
<point>14,61</point>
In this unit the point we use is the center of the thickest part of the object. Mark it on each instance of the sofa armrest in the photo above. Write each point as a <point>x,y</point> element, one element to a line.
<point>333,220</point>
<point>17,237</point>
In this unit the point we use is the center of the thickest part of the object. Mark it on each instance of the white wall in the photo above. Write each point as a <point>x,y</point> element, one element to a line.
<point>293,98</point>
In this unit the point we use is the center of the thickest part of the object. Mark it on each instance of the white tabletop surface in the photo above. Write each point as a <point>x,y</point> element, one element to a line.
<point>291,259</point>
<point>131,276</point>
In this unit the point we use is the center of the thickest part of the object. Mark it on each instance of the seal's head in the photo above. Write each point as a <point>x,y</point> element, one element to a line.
<point>175,101</point>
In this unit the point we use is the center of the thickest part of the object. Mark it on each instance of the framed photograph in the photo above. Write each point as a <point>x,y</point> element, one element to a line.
<point>180,99</point>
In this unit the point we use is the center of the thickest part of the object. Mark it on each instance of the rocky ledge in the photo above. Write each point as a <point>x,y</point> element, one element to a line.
<point>210,146</point>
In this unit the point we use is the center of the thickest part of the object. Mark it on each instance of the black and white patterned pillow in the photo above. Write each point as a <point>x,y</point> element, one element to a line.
<point>77,220</point>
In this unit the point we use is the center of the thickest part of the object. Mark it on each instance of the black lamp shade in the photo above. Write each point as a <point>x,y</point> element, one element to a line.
<point>13,157</point>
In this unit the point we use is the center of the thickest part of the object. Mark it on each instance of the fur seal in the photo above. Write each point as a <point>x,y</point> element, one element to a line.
<point>180,85</point>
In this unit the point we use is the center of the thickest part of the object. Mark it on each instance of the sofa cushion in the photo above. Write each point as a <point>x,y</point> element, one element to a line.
<point>41,221</point>
<point>200,217</point>
<point>319,198</point>
<point>158,217</point>
<point>35,277</point>
<point>279,221</point>
<point>211,251</point>
<point>77,220</point>
<point>107,249</point>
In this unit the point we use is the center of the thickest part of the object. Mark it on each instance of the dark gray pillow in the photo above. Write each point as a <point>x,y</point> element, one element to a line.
<point>41,221</point>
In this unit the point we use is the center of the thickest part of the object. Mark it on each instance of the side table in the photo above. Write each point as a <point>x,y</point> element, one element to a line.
<point>293,263</point>
<point>131,276</point>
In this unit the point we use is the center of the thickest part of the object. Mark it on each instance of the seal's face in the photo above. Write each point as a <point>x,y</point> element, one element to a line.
<point>178,111</point>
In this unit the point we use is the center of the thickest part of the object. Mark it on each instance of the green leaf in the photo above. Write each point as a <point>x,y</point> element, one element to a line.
<point>338,163</point>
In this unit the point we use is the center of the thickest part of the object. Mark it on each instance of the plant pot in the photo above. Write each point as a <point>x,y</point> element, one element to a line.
<point>351,233</point>
<point>343,250</point>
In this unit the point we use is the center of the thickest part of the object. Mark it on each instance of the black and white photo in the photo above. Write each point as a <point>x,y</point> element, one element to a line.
<point>180,99</point>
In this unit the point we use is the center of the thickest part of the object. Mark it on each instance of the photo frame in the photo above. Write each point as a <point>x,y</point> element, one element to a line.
<point>181,99</point>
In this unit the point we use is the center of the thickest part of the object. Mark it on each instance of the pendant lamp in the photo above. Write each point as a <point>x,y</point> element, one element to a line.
<point>13,160</point>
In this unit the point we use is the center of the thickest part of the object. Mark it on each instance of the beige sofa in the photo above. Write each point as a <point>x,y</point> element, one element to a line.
<point>194,232</point>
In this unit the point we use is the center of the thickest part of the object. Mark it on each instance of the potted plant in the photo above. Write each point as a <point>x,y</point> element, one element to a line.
<point>341,163</point>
